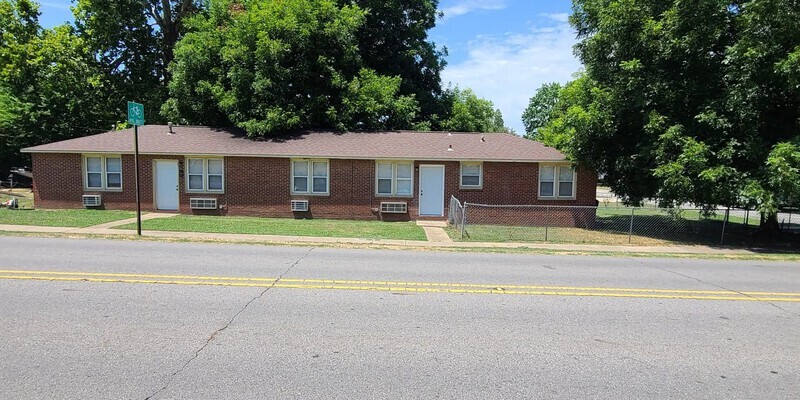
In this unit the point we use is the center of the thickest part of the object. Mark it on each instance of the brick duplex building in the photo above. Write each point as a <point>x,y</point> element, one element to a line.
<point>398,175</point>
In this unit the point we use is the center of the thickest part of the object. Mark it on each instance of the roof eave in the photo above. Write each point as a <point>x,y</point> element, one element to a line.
<point>404,158</point>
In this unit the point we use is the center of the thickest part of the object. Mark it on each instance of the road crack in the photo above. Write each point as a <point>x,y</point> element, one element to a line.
<point>230,321</point>
<point>725,288</point>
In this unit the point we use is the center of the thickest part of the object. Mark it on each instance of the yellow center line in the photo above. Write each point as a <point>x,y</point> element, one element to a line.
<point>505,287</point>
<point>390,286</point>
<point>64,273</point>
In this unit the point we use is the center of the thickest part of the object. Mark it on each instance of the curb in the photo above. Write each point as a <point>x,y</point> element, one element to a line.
<point>279,239</point>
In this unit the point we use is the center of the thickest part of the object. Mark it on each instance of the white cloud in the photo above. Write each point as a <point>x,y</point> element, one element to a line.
<point>61,6</point>
<point>559,17</point>
<point>461,7</point>
<point>508,69</point>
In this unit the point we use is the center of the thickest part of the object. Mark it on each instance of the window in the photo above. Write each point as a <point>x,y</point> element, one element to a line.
<point>556,182</point>
<point>310,177</point>
<point>214,175</point>
<point>94,172</point>
<point>205,175</point>
<point>546,181</point>
<point>566,178</point>
<point>195,174</point>
<point>113,173</point>
<point>103,172</point>
<point>394,178</point>
<point>471,175</point>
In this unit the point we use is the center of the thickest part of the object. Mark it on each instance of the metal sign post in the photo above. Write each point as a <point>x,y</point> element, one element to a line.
<point>136,118</point>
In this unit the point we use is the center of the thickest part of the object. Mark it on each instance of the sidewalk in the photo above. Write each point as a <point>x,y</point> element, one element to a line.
<point>435,233</point>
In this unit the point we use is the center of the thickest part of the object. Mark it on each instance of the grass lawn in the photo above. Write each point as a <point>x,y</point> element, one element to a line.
<point>286,226</point>
<point>67,218</point>
<point>24,197</point>
<point>499,233</point>
<point>651,226</point>
<point>26,215</point>
<point>736,216</point>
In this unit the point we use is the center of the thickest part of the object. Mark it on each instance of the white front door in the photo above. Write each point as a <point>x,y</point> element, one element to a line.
<point>166,185</point>
<point>431,190</point>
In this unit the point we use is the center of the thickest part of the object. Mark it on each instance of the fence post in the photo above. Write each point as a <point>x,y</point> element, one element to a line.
<point>630,229</point>
<point>546,219</point>
<point>463,219</point>
<point>747,217</point>
<point>790,219</point>
<point>724,222</point>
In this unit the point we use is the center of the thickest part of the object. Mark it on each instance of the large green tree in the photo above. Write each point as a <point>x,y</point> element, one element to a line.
<point>393,41</point>
<point>270,67</point>
<point>578,106</point>
<point>470,113</point>
<point>134,41</point>
<point>51,87</point>
<point>540,109</point>
<point>10,114</point>
<point>688,101</point>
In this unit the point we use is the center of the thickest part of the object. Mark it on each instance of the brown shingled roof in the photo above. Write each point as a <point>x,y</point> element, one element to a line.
<point>195,140</point>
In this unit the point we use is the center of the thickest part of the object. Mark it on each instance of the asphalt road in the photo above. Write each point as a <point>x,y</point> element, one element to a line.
<point>101,319</point>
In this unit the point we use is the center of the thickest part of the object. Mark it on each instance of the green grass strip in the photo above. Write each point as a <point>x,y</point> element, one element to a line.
<point>286,227</point>
<point>66,218</point>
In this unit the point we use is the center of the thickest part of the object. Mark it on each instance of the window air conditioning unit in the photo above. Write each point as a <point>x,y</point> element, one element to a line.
<point>91,200</point>
<point>201,203</point>
<point>397,207</point>
<point>299,205</point>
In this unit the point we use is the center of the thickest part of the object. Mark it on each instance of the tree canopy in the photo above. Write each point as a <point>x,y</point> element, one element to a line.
<point>133,41</point>
<point>279,66</point>
<point>50,86</point>
<point>263,65</point>
<point>470,113</point>
<point>692,102</point>
<point>393,41</point>
<point>540,109</point>
<point>270,67</point>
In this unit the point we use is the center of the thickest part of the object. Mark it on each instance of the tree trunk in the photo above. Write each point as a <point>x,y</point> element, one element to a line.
<point>170,32</point>
<point>171,23</point>
<point>769,224</point>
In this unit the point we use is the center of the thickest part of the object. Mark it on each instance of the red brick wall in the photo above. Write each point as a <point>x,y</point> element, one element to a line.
<point>57,180</point>
<point>554,216</point>
<point>261,187</point>
<point>516,184</point>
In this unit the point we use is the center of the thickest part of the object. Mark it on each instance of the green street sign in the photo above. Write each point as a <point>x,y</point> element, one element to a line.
<point>135,113</point>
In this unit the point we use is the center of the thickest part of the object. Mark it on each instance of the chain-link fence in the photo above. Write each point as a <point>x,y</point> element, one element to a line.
<point>455,216</point>
<point>606,224</point>
<point>789,219</point>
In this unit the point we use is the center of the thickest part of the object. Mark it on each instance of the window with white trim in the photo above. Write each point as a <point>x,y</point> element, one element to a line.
<point>394,178</point>
<point>471,175</point>
<point>205,174</point>
<point>310,176</point>
<point>103,172</point>
<point>557,182</point>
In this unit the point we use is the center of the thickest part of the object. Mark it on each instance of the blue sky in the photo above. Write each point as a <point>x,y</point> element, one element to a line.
<point>502,49</point>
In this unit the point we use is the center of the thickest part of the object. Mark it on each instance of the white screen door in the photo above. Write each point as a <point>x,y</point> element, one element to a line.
<point>431,190</point>
<point>166,185</point>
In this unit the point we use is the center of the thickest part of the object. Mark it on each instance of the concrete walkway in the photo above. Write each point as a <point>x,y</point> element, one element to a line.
<point>435,240</point>
<point>434,231</point>
<point>145,217</point>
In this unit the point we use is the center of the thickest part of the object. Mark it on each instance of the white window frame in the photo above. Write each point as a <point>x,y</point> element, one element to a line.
<point>395,178</point>
<point>310,176</point>
<point>103,172</point>
<point>461,176</point>
<point>204,173</point>
<point>556,182</point>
